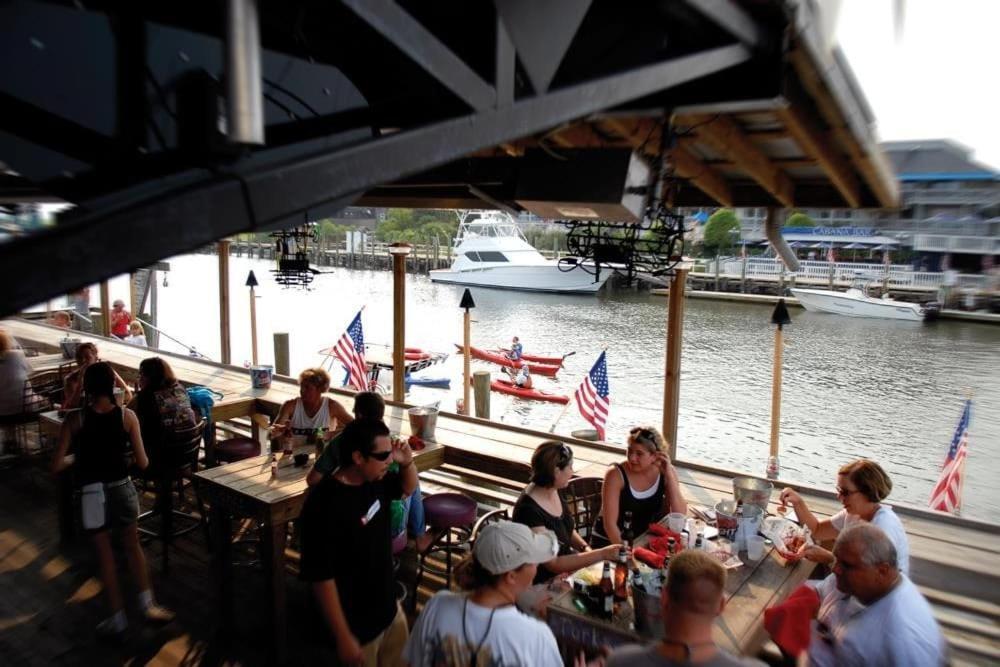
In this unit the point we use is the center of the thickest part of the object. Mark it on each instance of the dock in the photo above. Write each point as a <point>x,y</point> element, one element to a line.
<point>953,560</point>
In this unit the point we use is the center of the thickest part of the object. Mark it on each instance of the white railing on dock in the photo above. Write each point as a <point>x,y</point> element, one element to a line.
<point>812,271</point>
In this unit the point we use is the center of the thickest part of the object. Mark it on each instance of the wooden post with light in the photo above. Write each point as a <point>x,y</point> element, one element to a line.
<point>779,317</point>
<point>672,374</point>
<point>467,304</point>
<point>399,252</point>
<point>251,283</point>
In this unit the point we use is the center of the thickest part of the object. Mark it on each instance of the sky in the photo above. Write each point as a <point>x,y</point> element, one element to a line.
<point>939,80</point>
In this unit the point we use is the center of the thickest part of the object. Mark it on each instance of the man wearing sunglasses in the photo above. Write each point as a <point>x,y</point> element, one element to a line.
<point>347,544</point>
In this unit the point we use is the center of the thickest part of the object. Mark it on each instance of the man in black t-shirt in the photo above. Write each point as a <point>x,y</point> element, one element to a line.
<point>347,545</point>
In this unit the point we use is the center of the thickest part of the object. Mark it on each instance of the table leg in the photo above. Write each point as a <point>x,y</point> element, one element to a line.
<point>273,537</point>
<point>222,559</point>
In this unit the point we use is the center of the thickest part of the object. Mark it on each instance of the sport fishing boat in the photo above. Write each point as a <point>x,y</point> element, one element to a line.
<point>491,251</point>
<point>499,358</point>
<point>508,387</point>
<point>857,302</point>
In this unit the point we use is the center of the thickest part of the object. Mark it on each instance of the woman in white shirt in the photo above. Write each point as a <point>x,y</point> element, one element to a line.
<point>862,485</point>
<point>136,335</point>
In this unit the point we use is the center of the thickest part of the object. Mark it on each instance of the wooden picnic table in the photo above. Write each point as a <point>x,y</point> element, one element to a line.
<point>47,362</point>
<point>750,589</point>
<point>246,489</point>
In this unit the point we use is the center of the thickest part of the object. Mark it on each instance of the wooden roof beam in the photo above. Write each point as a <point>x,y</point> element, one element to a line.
<point>884,191</point>
<point>816,143</point>
<point>726,138</point>
<point>686,164</point>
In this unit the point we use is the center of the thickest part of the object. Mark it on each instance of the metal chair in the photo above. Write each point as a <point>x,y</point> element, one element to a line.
<point>39,392</point>
<point>172,463</point>
<point>583,496</point>
<point>486,519</point>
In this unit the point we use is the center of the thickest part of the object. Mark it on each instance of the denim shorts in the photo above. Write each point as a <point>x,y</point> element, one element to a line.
<point>121,504</point>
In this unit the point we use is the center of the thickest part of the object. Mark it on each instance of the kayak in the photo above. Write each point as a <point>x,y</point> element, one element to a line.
<point>507,387</point>
<point>409,353</point>
<point>439,383</point>
<point>534,358</point>
<point>497,358</point>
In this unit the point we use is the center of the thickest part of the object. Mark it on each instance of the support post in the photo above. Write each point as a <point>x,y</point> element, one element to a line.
<point>153,337</point>
<point>672,376</point>
<point>281,360</point>
<point>779,317</point>
<point>467,304</point>
<point>743,276</point>
<point>717,269</point>
<point>252,283</point>
<point>399,251</point>
<point>105,309</point>
<point>223,248</point>
<point>481,384</point>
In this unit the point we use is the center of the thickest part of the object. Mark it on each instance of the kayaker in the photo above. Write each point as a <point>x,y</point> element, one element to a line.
<point>516,349</point>
<point>520,377</point>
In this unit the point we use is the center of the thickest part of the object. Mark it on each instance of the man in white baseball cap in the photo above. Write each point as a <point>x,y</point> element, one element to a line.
<point>483,626</point>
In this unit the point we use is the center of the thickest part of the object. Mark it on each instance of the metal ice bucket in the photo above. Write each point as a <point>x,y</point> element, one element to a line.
<point>422,422</point>
<point>753,491</point>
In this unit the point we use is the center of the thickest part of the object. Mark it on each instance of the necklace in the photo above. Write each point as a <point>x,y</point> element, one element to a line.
<point>475,651</point>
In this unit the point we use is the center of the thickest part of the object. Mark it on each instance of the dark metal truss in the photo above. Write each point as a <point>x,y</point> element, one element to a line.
<point>275,187</point>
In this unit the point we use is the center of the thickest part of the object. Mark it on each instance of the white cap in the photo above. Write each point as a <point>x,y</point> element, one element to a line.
<point>505,546</point>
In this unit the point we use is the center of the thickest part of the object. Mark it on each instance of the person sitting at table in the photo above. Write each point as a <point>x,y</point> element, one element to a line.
<point>61,319</point>
<point>692,598</point>
<point>484,626</point>
<point>875,615</point>
<point>86,354</point>
<point>369,405</point>
<point>347,545</point>
<point>542,507</point>
<point>645,484</point>
<point>862,485</point>
<point>311,411</point>
<point>105,437</point>
<point>162,404</point>
<point>136,335</point>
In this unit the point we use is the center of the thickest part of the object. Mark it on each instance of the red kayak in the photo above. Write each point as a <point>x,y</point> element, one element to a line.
<point>535,358</point>
<point>507,387</point>
<point>497,358</point>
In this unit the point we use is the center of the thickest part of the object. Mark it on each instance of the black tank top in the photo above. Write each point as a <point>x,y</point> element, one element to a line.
<point>644,511</point>
<point>101,447</point>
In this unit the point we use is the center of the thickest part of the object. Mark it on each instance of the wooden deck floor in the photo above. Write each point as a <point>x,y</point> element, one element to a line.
<point>956,562</point>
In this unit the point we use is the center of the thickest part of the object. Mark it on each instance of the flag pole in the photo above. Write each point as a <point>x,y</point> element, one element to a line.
<point>552,429</point>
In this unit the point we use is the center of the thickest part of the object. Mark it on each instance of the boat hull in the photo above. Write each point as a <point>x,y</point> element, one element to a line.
<point>535,358</point>
<point>507,387</point>
<point>497,358</point>
<point>535,278</point>
<point>842,303</point>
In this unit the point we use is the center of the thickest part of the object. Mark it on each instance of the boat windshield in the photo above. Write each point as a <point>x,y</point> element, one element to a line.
<point>493,224</point>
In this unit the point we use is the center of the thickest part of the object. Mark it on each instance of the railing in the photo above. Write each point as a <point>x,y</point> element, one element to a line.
<point>899,275</point>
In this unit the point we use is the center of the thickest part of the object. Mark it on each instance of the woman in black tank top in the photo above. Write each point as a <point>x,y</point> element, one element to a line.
<point>646,473</point>
<point>101,434</point>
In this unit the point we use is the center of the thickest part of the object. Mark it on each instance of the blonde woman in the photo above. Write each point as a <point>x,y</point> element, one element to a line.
<point>311,410</point>
<point>645,484</point>
<point>136,335</point>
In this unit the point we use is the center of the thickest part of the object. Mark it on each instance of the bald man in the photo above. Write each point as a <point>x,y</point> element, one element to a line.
<point>875,615</point>
<point>693,598</point>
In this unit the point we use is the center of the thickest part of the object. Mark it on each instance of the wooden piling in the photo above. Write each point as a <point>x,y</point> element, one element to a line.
<point>282,365</point>
<point>481,387</point>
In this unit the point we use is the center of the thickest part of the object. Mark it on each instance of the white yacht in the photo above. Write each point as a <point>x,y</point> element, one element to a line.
<point>491,251</point>
<point>857,302</point>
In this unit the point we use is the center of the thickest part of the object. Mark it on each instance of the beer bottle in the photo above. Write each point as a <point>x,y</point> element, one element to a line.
<point>628,534</point>
<point>621,575</point>
<point>607,589</point>
<point>671,547</point>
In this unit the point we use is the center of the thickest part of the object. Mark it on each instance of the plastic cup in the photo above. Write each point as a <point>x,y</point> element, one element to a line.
<point>676,522</point>
<point>755,547</point>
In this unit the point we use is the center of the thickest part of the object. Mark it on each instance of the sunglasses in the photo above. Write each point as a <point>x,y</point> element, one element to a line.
<point>643,434</point>
<point>381,456</point>
<point>565,455</point>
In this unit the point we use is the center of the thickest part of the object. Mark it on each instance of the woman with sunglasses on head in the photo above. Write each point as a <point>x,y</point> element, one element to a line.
<point>862,485</point>
<point>542,507</point>
<point>645,485</point>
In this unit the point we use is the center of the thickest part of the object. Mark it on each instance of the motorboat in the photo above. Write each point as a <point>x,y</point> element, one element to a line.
<point>858,302</point>
<point>491,251</point>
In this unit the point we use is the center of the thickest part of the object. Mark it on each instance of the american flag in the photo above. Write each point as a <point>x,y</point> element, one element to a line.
<point>350,350</point>
<point>947,493</point>
<point>592,396</point>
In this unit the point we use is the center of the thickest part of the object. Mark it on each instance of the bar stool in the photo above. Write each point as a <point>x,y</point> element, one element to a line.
<point>398,547</point>
<point>239,448</point>
<point>452,515</point>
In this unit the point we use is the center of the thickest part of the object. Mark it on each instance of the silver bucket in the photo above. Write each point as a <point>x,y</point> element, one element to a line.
<point>753,491</point>
<point>648,613</point>
<point>422,422</point>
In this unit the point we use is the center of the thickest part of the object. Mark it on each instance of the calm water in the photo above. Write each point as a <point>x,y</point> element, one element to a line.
<point>891,391</point>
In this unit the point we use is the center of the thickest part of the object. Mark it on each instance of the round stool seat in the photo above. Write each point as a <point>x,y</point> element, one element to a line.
<point>449,510</point>
<point>399,543</point>
<point>236,449</point>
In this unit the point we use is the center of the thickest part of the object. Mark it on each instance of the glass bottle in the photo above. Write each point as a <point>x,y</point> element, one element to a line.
<point>607,589</point>
<point>621,575</point>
